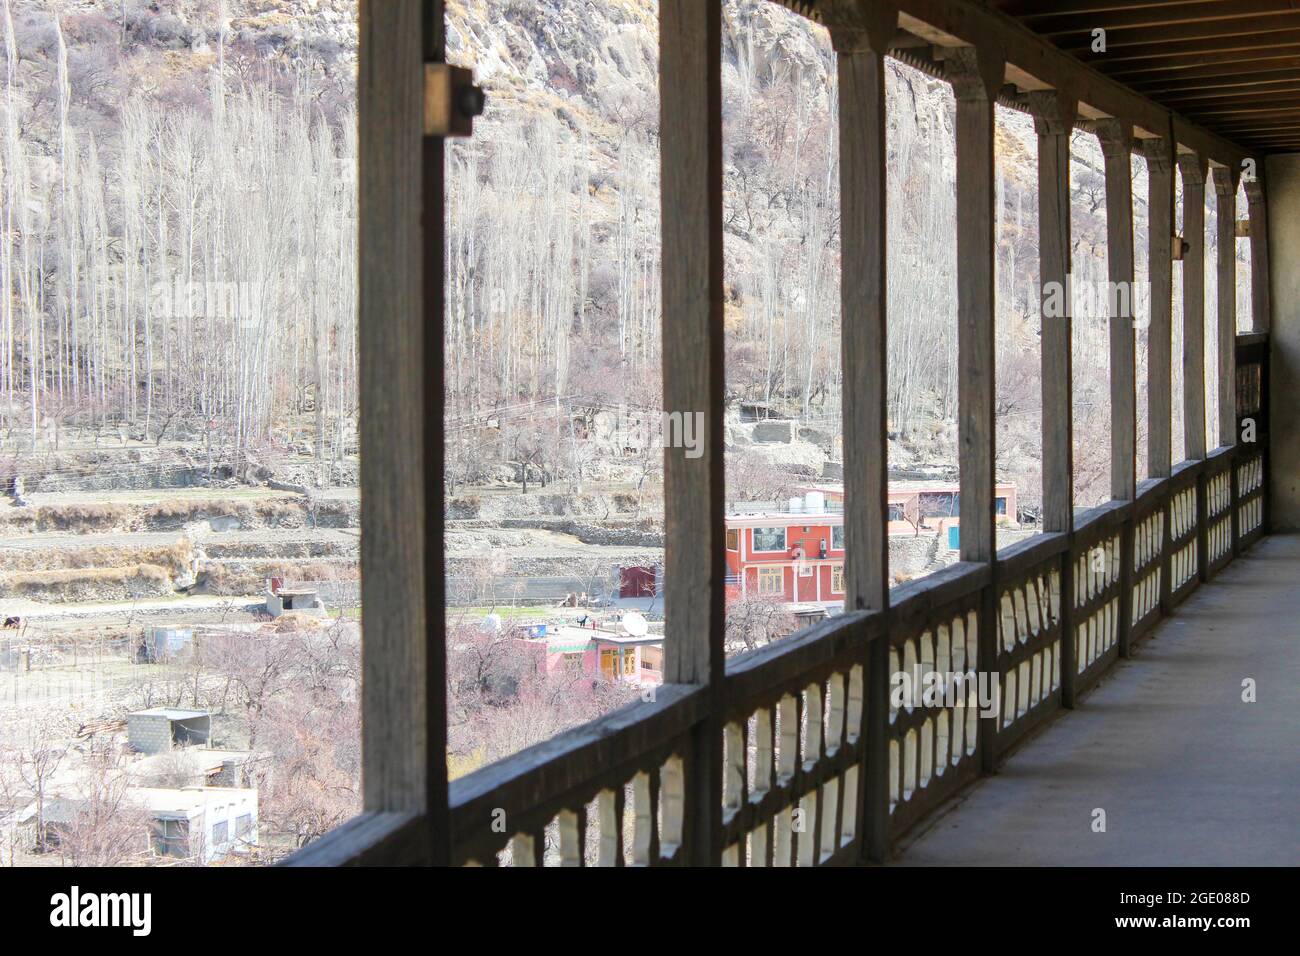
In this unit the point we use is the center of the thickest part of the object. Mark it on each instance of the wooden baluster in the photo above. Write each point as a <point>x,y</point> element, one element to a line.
<point>764,781</point>
<point>573,836</point>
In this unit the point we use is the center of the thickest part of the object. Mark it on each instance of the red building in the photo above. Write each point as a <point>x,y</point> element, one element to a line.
<point>795,555</point>
<point>796,552</point>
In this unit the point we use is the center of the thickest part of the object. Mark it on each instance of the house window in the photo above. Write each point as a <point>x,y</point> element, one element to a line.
<point>896,511</point>
<point>171,838</point>
<point>769,539</point>
<point>243,825</point>
<point>999,506</point>
<point>837,579</point>
<point>221,833</point>
<point>771,580</point>
<point>939,504</point>
<point>733,539</point>
<point>837,537</point>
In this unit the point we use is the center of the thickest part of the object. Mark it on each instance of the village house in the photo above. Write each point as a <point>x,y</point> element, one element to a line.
<point>615,655</point>
<point>795,551</point>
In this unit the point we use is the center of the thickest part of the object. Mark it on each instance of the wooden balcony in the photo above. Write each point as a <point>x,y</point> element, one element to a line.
<point>795,754</point>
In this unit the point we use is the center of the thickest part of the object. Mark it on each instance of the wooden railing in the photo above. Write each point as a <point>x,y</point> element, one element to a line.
<point>1045,620</point>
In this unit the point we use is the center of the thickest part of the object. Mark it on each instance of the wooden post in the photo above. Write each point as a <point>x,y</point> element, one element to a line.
<point>976,74</point>
<point>400,341</point>
<point>1116,138</point>
<point>1117,147</point>
<point>690,85</point>
<point>1225,197</point>
<point>1159,155</point>
<point>1054,114</point>
<point>1160,203</point>
<point>1193,169</point>
<point>860,49</point>
<point>1258,209</point>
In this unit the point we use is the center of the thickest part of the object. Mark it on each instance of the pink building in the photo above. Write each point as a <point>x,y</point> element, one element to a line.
<point>599,652</point>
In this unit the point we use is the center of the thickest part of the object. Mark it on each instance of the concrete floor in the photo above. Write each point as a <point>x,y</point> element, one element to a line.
<point>1186,772</point>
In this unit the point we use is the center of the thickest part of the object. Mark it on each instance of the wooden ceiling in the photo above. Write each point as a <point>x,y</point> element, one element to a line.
<point>1231,66</point>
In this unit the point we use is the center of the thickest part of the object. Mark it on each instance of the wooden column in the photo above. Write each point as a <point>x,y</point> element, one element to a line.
<point>1054,114</point>
<point>1260,308</point>
<point>1117,147</point>
<point>400,342</point>
<point>690,86</point>
<point>1193,169</point>
<point>976,74</point>
<point>1225,197</point>
<point>1161,228</point>
<point>1116,138</point>
<point>860,48</point>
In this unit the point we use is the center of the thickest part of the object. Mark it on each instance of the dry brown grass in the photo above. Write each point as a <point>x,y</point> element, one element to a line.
<point>70,583</point>
<point>174,558</point>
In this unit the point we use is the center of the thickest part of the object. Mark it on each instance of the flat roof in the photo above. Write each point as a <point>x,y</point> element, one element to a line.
<point>184,801</point>
<point>171,713</point>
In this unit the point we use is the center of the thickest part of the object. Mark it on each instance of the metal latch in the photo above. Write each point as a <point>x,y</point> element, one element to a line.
<point>451,100</point>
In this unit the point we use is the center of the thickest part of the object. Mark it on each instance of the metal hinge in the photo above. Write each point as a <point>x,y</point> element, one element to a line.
<point>451,100</point>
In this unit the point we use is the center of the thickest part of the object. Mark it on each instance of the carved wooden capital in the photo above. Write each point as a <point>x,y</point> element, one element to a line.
<point>1054,111</point>
<point>857,27</point>
<point>1115,136</point>
<point>1158,154</point>
<point>976,73</point>
<point>1255,188</point>
<point>1193,167</point>
<point>1225,181</point>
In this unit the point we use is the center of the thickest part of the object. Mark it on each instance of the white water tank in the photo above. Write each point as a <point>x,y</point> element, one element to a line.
<point>796,505</point>
<point>815,502</point>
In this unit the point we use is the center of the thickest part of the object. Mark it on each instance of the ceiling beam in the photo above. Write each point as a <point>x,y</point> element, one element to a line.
<point>1192,81</point>
<point>1051,23</point>
<point>1079,33</point>
<point>1190,100</point>
<point>1125,70</point>
<point>1026,9</point>
<point>1174,47</point>
<point>976,23</point>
